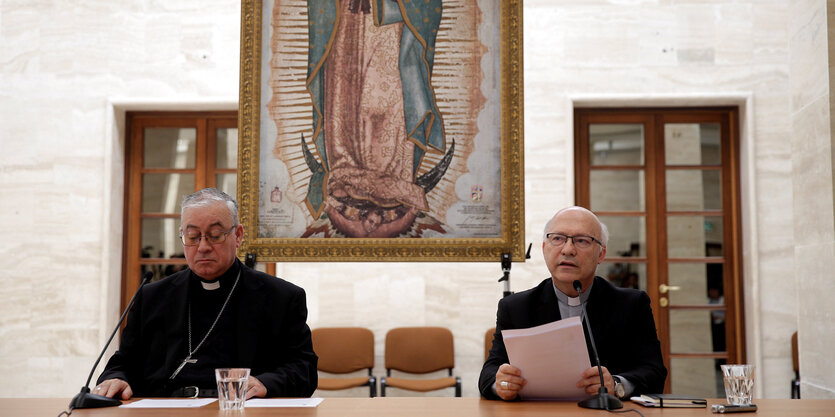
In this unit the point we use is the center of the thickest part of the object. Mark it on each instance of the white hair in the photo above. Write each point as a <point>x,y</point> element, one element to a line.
<point>208,196</point>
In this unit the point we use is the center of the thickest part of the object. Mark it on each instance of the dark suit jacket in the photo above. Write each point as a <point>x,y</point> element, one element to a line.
<point>273,337</point>
<point>622,324</point>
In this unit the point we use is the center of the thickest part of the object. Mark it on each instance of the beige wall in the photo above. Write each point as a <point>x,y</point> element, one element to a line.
<point>811,37</point>
<point>69,70</point>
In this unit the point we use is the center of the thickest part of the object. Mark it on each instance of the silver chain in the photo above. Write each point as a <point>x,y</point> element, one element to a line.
<point>228,297</point>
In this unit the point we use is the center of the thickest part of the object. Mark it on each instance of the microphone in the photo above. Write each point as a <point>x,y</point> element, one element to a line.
<point>603,400</point>
<point>85,399</point>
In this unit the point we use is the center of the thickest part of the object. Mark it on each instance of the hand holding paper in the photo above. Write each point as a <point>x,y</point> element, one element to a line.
<point>551,358</point>
<point>509,381</point>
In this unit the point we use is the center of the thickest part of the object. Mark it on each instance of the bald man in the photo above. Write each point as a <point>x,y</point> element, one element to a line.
<point>624,329</point>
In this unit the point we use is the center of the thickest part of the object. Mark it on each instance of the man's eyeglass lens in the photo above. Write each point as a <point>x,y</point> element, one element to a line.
<point>214,237</point>
<point>582,242</point>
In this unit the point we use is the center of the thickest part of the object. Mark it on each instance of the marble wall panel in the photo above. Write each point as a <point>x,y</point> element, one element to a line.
<point>815,337</point>
<point>812,170</point>
<point>812,173</point>
<point>735,33</point>
<point>770,40</point>
<point>807,52</point>
<point>831,54</point>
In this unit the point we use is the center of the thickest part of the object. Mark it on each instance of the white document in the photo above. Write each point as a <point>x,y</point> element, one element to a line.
<point>282,402</point>
<point>551,357</point>
<point>178,403</point>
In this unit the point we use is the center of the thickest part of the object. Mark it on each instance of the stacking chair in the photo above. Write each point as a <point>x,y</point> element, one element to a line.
<point>343,350</point>
<point>796,366</point>
<point>488,341</point>
<point>420,350</point>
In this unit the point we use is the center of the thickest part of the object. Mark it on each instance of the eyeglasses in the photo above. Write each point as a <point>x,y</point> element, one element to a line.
<point>580,241</point>
<point>213,238</point>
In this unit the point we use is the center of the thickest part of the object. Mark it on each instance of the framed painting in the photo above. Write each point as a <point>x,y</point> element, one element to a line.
<point>381,130</point>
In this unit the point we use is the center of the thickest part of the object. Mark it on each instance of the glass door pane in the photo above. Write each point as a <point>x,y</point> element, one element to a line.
<point>617,190</point>
<point>694,236</point>
<point>616,144</point>
<point>698,284</point>
<point>692,144</point>
<point>169,147</point>
<point>694,190</point>
<point>227,148</point>
<point>162,193</point>
<point>627,236</point>
<point>624,274</point>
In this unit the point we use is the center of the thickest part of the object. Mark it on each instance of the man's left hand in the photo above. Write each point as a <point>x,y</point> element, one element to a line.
<point>590,380</point>
<point>255,388</point>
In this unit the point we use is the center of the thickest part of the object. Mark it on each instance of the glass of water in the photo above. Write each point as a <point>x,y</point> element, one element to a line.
<point>739,383</point>
<point>231,387</point>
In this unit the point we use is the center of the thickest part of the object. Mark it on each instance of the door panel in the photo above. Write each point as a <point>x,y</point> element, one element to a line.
<point>694,190</point>
<point>617,190</point>
<point>694,236</point>
<point>665,182</point>
<point>627,235</point>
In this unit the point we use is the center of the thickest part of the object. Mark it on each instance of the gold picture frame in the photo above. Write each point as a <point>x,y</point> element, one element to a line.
<point>485,201</point>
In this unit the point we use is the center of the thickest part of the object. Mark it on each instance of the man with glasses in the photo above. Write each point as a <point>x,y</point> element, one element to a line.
<point>624,329</point>
<point>218,313</point>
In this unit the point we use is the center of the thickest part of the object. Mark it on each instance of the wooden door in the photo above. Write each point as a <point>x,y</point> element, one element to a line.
<point>666,184</point>
<point>168,156</point>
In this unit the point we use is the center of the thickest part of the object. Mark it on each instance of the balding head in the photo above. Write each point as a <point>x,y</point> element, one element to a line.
<point>603,235</point>
<point>566,261</point>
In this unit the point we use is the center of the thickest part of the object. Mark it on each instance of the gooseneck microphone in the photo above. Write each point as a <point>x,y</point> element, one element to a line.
<point>85,399</point>
<point>602,400</point>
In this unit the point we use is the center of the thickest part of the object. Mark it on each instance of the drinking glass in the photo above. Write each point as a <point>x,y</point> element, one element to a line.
<point>231,387</point>
<point>739,383</point>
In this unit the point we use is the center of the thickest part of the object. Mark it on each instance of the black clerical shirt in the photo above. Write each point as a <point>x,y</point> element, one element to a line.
<point>263,328</point>
<point>219,350</point>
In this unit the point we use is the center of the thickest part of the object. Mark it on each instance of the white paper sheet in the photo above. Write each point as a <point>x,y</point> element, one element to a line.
<point>176,403</point>
<point>283,402</point>
<point>551,356</point>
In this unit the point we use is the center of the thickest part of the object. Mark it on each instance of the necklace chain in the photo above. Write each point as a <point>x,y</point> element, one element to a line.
<point>190,351</point>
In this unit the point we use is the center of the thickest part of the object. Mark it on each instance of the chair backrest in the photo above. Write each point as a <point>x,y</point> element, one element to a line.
<point>343,349</point>
<point>795,361</point>
<point>419,350</point>
<point>488,341</point>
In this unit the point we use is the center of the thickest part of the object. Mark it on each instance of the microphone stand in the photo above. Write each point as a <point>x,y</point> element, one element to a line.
<point>85,399</point>
<point>603,400</point>
<point>506,274</point>
<point>506,270</point>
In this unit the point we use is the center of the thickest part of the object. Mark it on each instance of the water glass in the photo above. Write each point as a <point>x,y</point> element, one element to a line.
<point>739,383</point>
<point>231,387</point>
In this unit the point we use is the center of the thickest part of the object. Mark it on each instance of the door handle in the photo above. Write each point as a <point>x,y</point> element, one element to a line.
<point>664,288</point>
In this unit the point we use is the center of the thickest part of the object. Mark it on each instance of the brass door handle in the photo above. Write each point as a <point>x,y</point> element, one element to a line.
<point>664,288</point>
<point>663,302</point>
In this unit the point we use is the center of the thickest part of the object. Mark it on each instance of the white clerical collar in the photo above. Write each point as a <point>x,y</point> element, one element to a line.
<point>572,301</point>
<point>210,285</point>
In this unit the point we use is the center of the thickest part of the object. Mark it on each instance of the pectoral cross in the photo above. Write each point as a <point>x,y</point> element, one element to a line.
<point>188,359</point>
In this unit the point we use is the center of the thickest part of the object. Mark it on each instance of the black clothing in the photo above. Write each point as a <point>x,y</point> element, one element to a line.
<point>622,323</point>
<point>263,328</point>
